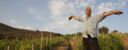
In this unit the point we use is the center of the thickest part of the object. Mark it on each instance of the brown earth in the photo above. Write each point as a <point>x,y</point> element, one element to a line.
<point>125,43</point>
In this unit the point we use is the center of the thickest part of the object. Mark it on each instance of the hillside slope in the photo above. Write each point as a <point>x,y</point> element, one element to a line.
<point>8,32</point>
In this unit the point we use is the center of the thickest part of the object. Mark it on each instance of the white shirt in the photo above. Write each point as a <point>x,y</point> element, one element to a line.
<point>91,25</point>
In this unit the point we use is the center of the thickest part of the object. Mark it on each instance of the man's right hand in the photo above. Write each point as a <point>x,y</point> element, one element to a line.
<point>117,12</point>
<point>70,17</point>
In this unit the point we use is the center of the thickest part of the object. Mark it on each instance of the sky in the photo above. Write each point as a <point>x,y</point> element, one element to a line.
<point>52,15</point>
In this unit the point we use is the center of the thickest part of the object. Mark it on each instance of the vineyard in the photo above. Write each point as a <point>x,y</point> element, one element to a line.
<point>113,41</point>
<point>35,44</point>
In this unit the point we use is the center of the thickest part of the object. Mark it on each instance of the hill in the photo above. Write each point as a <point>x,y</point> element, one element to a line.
<point>8,32</point>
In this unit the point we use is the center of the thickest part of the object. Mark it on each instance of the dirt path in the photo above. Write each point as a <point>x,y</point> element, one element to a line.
<point>72,44</point>
<point>62,46</point>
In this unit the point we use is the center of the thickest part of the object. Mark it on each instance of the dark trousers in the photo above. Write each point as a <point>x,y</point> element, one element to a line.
<point>90,43</point>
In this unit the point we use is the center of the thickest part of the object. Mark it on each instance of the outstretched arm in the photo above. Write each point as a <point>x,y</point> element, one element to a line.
<point>116,12</point>
<point>75,18</point>
<point>102,16</point>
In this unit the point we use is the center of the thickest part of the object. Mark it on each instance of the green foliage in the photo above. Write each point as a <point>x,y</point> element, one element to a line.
<point>27,44</point>
<point>111,41</point>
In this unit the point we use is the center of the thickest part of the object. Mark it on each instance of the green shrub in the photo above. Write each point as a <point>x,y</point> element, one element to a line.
<point>110,42</point>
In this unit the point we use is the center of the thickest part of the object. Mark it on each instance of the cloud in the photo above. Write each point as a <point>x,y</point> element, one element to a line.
<point>121,4</point>
<point>122,0</point>
<point>31,11</point>
<point>46,29</point>
<point>64,26</point>
<point>105,7</point>
<point>25,27</point>
<point>60,24</point>
<point>61,10</point>
<point>59,7</point>
<point>110,6</point>
<point>13,21</point>
<point>0,17</point>
<point>39,18</point>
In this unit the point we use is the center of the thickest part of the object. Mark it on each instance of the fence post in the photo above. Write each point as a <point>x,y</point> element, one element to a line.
<point>8,47</point>
<point>32,47</point>
<point>50,40</point>
<point>41,41</point>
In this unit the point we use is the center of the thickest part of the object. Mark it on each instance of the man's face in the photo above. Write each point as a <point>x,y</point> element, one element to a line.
<point>88,11</point>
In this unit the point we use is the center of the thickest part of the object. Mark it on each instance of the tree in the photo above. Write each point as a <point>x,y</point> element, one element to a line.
<point>103,30</point>
<point>115,31</point>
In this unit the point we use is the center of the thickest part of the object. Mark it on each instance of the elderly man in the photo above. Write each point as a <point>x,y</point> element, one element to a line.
<point>90,41</point>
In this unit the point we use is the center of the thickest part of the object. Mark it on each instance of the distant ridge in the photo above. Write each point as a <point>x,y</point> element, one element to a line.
<point>8,32</point>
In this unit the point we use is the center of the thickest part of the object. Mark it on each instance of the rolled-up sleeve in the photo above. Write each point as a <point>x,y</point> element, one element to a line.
<point>80,19</point>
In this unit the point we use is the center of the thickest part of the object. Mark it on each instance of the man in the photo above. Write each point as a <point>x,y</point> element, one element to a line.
<point>90,41</point>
